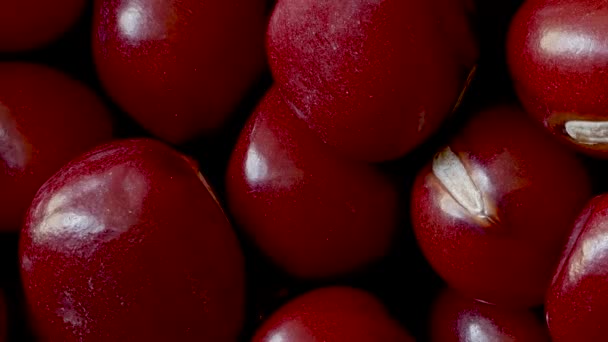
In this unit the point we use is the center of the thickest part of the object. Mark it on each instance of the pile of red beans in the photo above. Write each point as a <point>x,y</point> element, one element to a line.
<point>304,170</point>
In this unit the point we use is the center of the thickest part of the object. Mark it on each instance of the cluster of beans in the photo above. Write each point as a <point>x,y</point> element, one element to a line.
<point>303,170</point>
